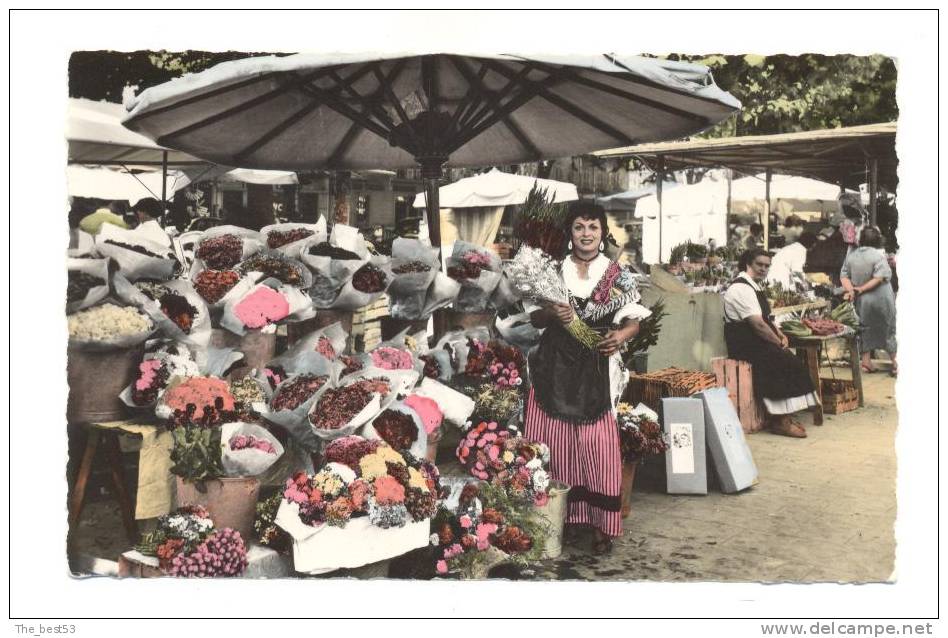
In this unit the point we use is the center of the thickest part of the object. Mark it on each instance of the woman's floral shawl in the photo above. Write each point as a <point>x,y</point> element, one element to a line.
<point>616,289</point>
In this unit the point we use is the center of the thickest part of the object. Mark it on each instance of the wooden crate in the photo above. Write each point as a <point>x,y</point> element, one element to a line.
<point>737,377</point>
<point>839,395</point>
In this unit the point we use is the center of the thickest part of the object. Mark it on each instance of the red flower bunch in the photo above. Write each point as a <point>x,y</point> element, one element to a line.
<point>396,428</point>
<point>639,436</point>
<point>338,406</point>
<point>325,348</point>
<point>369,279</point>
<point>221,252</point>
<point>348,450</point>
<point>214,284</point>
<point>295,393</point>
<point>277,238</point>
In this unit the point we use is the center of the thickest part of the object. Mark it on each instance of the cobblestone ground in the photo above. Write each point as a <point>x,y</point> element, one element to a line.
<point>824,510</point>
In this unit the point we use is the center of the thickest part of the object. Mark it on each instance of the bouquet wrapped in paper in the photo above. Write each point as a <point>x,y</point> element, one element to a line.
<point>88,283</point>
<point>414,266</point>
<point>536,277</point>
<point>366,285</point>
<point>334,262</point>
<point>269,302</point>
<point>478,271</point>
<point>401,427</point>
<point>224,247</point>
<point>293,238</point>
<point>108,326</point>
<point>156,370</point>
<point>248,449</point>
<point>272,264</point>
<point>138,253</point>
<point>177,310</point>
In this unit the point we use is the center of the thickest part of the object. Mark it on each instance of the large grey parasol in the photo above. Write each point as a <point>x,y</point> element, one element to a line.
<point>357,111</point>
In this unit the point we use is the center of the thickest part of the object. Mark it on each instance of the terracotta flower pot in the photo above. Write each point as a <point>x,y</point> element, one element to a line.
<point>231,502</point>
<point>628,478</point>
<point>96,378</point>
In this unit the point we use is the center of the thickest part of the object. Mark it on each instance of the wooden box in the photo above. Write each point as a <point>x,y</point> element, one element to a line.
<point>737,377</point>
<point>839,395</point>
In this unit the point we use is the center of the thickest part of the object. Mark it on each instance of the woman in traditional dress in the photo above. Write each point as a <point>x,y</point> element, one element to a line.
<point>571,406</point>
<point>780,380</point>
<point>866,277</point>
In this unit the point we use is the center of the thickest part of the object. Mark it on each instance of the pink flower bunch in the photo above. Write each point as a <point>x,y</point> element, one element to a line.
<point>389,358</point>
<point>148,369</point>
<point>388,491</point>
<point>480,450</point>
<point>221,554</point>
<point>244,441</point>
<point>505,376</point>
<point>490,453</point>
<point>476,258</point>
<point>324,347</point>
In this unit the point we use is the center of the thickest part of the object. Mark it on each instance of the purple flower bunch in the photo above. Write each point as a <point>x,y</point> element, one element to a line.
<point>221,554</point>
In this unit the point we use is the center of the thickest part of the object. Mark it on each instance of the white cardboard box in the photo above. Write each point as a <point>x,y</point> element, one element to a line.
<point>685,464</point>
<point>730,453</point>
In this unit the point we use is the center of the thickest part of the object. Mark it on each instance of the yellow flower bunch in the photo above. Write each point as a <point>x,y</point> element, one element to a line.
<point>416,479</point>
<point>328,483</point>
<point>389,454</point>
<point>373,466</point>
<point>624,408</point>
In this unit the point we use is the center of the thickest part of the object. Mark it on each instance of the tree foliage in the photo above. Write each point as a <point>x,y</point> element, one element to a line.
<point>103,75</point>
<point>788,93</point>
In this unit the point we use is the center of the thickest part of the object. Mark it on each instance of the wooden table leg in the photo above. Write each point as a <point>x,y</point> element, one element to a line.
<point>811,356</point>
<point>855,365</point>
<point>114,453</point>
<point>78,496</point>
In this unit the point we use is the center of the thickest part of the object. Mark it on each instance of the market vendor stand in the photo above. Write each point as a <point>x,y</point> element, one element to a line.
<point>809,348</point>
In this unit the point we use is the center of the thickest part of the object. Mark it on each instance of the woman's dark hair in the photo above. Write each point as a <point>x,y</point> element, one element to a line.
<point>870,237</point>
<point>749,255</point>
<point>587,210</point>
<point>808,239</point>
<point>756,228</point>
<point>148,205</point>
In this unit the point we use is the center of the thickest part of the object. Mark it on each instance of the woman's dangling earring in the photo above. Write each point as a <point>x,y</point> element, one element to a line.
<point>570,245</point>
<point>602,246</point>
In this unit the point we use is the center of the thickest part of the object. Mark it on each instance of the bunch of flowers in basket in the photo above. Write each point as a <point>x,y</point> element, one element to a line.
<point>337,407</point>
<point>486,521</point>
<point>365,478</point>
<point>186,544</point>
<point>506,460</point>
<point>640,436</point>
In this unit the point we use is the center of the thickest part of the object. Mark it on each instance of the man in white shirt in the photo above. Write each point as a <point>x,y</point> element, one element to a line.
<point>780,379</point>
<point>790,259</point>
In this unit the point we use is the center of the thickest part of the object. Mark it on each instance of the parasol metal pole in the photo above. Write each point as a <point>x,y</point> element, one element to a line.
<point>432,170</point>
<point>164,187</point>
<point>727,214</point>
<point>769,174</point>
<point>658,195</point>
<point>873,190</point>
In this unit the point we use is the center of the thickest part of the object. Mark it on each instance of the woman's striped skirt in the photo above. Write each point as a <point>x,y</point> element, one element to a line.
<point>585,457</point>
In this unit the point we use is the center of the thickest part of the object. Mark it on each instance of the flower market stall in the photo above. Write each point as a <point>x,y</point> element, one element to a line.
<point>309,455</point>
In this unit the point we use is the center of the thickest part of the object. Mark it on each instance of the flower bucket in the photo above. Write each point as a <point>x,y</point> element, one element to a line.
<point>258,348</point>
<point>628,478</point>
<point>554,513</point>
<point>231,502</point>
<point>96,379</point>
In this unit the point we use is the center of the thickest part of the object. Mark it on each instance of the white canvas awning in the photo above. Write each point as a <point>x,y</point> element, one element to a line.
<point>119,184</point>
<point>496,188</point>
<point>254,176</point>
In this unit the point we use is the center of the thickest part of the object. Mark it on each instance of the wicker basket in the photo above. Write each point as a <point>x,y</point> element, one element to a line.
<point>839,395</point>
<point>652,387</point>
